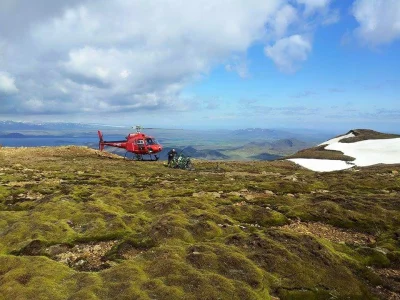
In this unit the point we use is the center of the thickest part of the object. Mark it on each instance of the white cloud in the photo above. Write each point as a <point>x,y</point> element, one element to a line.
<point>35,105</point>
<point>288,52</point>
<point>144,24</point>
<point>286,16</point>
<point>78,56</point>
<point>7,84</point>
<point>379,20</point>
<point>152,47</point>
<point>313,5</point>
<point>238,65</point>
<point>331,17</point>
<point>124,74</point>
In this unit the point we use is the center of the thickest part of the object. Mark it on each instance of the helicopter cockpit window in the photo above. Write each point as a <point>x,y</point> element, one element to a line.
<point>149,141</point>
<point>140,142</point>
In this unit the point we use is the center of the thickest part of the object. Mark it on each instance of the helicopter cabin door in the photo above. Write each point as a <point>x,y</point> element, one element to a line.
<point>140,145</point>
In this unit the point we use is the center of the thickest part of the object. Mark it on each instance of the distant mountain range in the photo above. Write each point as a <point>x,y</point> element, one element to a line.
<point>307,135</point>
<point>14,135</point>
<point>18,126</point>
<point>262,133</point>
<point>17,135</point>
<point>282,145</point>
<point>242,144</point>
<point>265,156</point>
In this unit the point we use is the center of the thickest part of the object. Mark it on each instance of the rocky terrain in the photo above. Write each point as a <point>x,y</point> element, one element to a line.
<point>76,223</point>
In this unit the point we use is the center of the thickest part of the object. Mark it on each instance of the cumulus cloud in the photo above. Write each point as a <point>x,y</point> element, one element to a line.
<point>152,48</point>
<point>239,65</point>
<point>331,17</point>
<point>288,53</point>
<point>7,84</point>
<point>285,17</point>
<point>379,21</point>
<point>126,55</point>
<point>319,12</point>
<point>313,5</point>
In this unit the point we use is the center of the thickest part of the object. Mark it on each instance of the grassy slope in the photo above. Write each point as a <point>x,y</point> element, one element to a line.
<point>367,134</point>
<point>320,152</point>
<point>229,230</point>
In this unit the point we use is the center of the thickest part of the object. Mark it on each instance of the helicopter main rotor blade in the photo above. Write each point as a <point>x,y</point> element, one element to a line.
<point>162,128</point>
<point>159,128</point>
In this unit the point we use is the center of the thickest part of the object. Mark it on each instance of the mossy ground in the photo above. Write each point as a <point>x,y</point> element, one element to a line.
<point>319,152</point>
<point>368,134</point>
<point>77,224</point>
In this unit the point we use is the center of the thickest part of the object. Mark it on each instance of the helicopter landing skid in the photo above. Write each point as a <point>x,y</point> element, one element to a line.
<point>140,157</point>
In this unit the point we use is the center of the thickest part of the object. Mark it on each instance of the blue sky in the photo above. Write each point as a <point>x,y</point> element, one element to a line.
<point>318,64</point>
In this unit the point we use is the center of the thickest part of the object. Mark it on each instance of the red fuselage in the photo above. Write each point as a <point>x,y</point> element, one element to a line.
<point>138,143</point>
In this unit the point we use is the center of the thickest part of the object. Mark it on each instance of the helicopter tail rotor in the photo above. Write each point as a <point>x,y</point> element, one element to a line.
<point>101,141</point>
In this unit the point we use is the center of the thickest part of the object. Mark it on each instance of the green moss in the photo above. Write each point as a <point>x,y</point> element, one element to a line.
<point>320,152</point>
<point>225,261</point>
<point>394,257</point>
<point>373,257</point>
<point>4,192</point>
<point>34,277</point>
<point>124,282</point>
<point>300,294</point>
<point>205,285</point>
<point>157,289</point>
<point>254,214</point>
<point>317,185</point>
<point>171,244</point>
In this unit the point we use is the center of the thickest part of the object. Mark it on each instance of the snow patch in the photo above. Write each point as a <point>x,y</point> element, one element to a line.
<point>366,153</point>
<point>338,139</point>
<point>370,152</point>
<point>322,165</point>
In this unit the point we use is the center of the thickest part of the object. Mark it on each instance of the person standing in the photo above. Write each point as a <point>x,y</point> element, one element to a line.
<point>171,155</point>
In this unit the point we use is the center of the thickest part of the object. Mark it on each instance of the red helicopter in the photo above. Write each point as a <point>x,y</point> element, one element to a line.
<point>139,144</point>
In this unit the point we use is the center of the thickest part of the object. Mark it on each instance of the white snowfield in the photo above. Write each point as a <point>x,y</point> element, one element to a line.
<point>322,165</point>
<point>337,139</point>
<point>370,152</point>
<point>366,153</point>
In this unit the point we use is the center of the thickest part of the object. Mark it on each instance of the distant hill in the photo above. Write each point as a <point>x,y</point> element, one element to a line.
<point>17,135</point>
<point>289,144</point>
<point>266,150</point>
<point>192,152</point>
<point>12,125</point>
<point>367,134</point>
<point>266,156</point>
<point>51,126</point>
<point>263,133</point>
<point>13,135</point>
